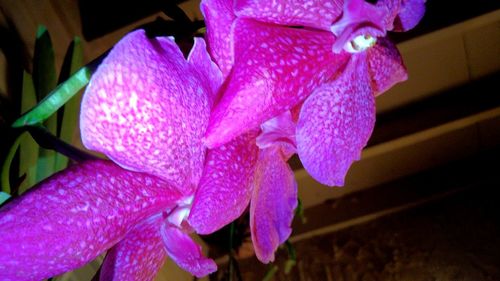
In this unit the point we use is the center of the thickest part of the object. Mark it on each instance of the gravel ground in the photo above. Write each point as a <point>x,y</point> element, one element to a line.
<point>456,238</point>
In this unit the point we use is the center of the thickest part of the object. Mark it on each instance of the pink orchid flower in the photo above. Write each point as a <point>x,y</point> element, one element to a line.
<point>270,68</point>
<point>332,55</point>
<point>146,108</point>
<point>266,181</point>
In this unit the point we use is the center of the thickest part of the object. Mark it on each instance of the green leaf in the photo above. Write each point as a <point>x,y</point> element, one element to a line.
<point>44,78</point>
<point>61,162</point>
<point>70,112</point>
<point>28,150</point>
<point>44,70</point>
<point>28,162</point>
<point>3,197</point>
<point>46,164</point>
<point>76,55</point>
<point>5,174</point>
<point>56,99</point>
<point>28,98</point>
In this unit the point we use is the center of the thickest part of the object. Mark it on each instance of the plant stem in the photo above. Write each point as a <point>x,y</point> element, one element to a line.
<point>48,141</point>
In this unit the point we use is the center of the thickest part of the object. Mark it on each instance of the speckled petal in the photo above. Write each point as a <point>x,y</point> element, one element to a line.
<point>146,109</point>
<point>139,256</point>
<point>335,123</point>
<point>219,17</point>
<point>385,66</point>
<point>185,252</point>
<point>392,8</point>
<point>274,200</point>
<point>72,217</point>
<point>317,14</point>
<point>226,185</point>
<point>410,14</point>
<point>208,72</point>
<point>276,68</point>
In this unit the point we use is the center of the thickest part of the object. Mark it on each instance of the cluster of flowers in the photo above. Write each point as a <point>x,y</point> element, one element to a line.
<point>194,141</point>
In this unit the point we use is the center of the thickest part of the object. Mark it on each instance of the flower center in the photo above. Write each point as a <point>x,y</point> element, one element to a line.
<point>359,26</point>
<point>181,212</point>
<point>360,43</point>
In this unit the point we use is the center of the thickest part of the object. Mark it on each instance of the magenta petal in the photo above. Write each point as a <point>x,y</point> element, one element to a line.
<point>317,14</point>
<point>335,123</point>
<point>139,256</point>
<point>279,131</point>
<point>391,8</point>
<point>209,72</point>
<point>410,14</point>
<point>226,185</point>
<point>145,109</point>
<point>276,67</point>
<point>75,215</point>
<point>185,252</point>
<point>273,204</point>
<point>219,18</point>
<point>385,66</point>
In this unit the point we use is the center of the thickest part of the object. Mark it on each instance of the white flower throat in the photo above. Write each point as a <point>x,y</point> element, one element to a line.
<point>360,43</point>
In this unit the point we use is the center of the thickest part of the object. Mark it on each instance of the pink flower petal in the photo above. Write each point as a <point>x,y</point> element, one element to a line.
<point>75,215</point>
<point>385,66</point>
<point>219,18</point>
<point>318,14</point>
<point>279,131</point>
<point>273,204</point>
<point>335,123</point>
<point>209,72</point>
<point>276,68</point>
<point>391,8</point>
<point>139,256</point>
<point>410,14</point>
<point>226,185</point>
<point>145,109</point>
<point>185,252</point>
